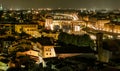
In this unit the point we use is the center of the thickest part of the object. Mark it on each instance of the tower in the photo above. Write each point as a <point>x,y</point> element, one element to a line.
<point>103,55</point>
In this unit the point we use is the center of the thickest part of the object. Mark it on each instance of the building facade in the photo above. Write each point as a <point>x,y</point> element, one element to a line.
<point>112,27</point>
<point>31,29</point>
<point>48,51</point>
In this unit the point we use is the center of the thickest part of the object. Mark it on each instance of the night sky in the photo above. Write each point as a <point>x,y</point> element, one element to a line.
<point>60,3</point>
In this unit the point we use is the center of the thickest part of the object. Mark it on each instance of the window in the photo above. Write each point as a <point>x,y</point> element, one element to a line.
<point>48,49</point>
<point>46,53</point>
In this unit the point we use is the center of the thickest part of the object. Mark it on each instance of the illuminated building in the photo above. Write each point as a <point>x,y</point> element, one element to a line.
<point>41,23</point>
<point>51,35</point>
<point>29,28</point>
<point>96,23</point>
<point>48,51</point>
<point>62,21</point>
<point>48,22</point>
<point>100,23</point>
<point>112,27</point>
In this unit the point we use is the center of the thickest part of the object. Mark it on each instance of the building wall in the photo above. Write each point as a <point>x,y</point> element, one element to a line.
<point>117,28</point>
<point>48,23</point>
<point>41,23</point>
<point>110,27</point>
<point>52,35</point>
<point>48,51</point>
<point>100,24</point>
<point>27,28</point>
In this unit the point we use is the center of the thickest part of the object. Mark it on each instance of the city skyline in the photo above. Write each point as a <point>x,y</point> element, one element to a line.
<point>100,4</point>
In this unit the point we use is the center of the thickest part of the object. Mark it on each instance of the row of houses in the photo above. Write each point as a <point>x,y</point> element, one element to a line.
<point>102,24</point>
<point>112,27</point>
<point>29,28</point>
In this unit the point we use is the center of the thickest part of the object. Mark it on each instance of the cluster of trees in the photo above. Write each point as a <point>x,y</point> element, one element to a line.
<point>77,40</point>
<point>75,63</point>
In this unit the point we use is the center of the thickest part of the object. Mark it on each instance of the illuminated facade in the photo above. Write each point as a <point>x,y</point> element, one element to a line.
<point>100,23</point>
<point>31,29</point>
<point>48,51</point>
<point>52,35</point>
<point>41,23</point>
<point>48,22</point>
<point>112,27</point>
<point>64,21</point>
<point>97,24</point>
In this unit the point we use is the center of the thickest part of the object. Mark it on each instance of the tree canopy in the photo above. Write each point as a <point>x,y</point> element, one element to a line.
<point>78,40</point>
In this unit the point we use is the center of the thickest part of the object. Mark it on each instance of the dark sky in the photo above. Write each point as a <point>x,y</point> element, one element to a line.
<point>60,3</point>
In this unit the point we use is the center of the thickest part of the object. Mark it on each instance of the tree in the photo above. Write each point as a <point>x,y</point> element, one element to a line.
<point>77,40</point>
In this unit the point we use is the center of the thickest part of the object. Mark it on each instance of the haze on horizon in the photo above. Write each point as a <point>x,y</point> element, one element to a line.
<point>113,4</point>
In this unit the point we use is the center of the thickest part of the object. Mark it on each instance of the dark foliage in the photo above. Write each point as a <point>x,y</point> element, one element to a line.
<point>77,40</point>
